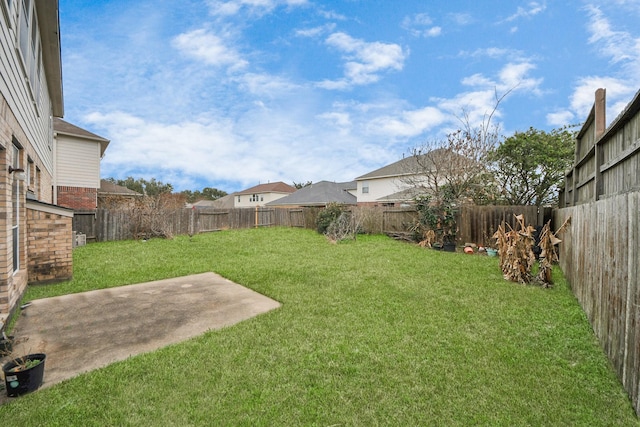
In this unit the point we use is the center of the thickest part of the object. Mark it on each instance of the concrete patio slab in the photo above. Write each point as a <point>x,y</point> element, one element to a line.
<point>86,331</point>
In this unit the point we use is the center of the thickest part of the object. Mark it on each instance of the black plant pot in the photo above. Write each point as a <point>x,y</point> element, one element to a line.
<point>26,380</point>
<point>449,247</point>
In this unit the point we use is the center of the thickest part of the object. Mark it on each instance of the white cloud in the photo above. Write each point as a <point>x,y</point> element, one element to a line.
<point>560,118</point>
<point>316,31</point>
<point>496,53</point>
<point>618,45</point>
<point>332,15</point>
<point>266,85</point>
<point>532,9</point>
<point>584,94</point>
<point>410,123</point>
<point>475,105</point>
<point>421,25</point>
<point>515,75</point>
<point>433,32</point>
<point>511,76</point>
<point>364,61</point>
<point>233,7</point>
<point>478,80</point>
<point>209,48</point>
<point>461,19</point>
<point>620,48</point>
<point>339,119</point>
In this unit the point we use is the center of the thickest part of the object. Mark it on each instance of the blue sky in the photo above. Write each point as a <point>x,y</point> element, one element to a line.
<point>233,93</point>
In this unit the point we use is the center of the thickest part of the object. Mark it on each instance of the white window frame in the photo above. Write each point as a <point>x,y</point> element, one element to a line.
<point>29,49</point>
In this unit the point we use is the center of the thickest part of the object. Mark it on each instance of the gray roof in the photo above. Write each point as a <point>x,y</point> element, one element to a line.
<point>319,194</point>
<point>405,195</point>
<point>111,189</point>
<point>224,202</point>
<point>407,166</point>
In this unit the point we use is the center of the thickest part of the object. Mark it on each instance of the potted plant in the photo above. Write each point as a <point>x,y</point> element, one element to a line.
<point>24,374</point>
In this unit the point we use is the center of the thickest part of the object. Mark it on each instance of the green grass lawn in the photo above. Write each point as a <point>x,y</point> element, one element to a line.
<point>370,332</point>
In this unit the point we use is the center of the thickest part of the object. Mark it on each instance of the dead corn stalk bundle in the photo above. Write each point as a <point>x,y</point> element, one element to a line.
<point>548,254</point>
<point>515,248</point>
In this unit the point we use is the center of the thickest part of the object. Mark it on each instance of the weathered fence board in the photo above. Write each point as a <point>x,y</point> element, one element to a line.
<point>600,256</point>
<point>476,224</point>
<point>600,253</point>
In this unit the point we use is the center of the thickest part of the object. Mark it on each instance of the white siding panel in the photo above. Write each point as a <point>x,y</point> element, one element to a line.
<point>378,188</point>
<point>14,85</point>
<point>78,163</point>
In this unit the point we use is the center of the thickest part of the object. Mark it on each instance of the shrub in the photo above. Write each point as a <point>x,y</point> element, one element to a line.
<point>327,216</point>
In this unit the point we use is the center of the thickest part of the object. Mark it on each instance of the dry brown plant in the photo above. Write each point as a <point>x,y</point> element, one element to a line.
<point>515,248</point>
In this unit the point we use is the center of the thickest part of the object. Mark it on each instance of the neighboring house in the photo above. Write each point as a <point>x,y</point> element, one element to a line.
<point>111,195</point>
<point>319,194</point>
<point>389,185</point>
<point>77,164</point>
<point>397,184</point>
<point>35,235</point>
<point>225,202</point>
<point>262,194</point>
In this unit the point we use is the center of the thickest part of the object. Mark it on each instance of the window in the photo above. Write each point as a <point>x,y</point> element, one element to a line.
<point>36,184</point>
<point>29,47</point>
<point>365,187</point>
<point>238,199</point>
<point>28,172</point>
<point>24,30</point>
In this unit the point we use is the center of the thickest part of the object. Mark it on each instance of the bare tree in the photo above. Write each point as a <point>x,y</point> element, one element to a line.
<point>150,216</point>
<point>457,162</point>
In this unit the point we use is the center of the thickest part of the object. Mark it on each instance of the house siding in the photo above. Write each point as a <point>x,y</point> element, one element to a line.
<point>263,198</point>
<point>77,162</point>
<point>378,188</point>
<point>27,104</point>
<point>25,94</point>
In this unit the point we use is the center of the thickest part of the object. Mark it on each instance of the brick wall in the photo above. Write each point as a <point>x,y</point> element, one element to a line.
<point>12,284</point>
<point>49,245</point>
<point>78,198</point>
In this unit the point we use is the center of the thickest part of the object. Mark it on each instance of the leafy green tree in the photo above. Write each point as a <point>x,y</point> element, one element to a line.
<point>529,166</point>
<point>207,193</point>
<point>300,185</point>
<point>210,193</point>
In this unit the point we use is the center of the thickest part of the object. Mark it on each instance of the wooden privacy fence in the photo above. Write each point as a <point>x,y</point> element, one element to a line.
<point>600,256</point>
<point>607,160</point>
<point>112,224</point>
<point>475,223</point>
<point>600,252</point>
<point>478,223</point>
